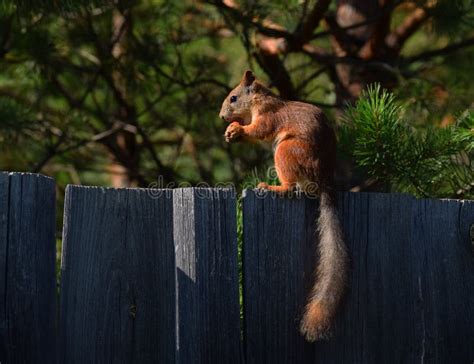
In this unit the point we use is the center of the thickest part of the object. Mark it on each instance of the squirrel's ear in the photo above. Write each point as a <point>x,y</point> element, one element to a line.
<point>247,78</point>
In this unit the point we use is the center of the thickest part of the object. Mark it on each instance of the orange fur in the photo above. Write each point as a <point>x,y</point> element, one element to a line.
<point>305,155</point>
<point>317,322</point>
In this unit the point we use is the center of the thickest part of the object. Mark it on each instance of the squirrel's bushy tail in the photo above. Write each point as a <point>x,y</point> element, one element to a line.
<point>331,273</point>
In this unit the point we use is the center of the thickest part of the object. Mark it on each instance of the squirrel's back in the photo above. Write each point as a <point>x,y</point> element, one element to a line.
<point>308,123</point>
<point>304,155</point>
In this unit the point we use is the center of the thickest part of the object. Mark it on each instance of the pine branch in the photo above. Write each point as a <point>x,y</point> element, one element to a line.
<point>431,163</point>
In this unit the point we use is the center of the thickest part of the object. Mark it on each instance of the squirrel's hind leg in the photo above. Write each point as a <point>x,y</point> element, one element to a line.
<point>282,189</point>
<point>289,155</point>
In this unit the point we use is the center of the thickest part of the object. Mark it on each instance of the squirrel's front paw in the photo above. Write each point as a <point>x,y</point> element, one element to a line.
<point>233,131</point>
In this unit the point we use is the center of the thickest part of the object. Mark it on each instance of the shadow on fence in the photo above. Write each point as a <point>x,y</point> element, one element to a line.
<point>152,277</point>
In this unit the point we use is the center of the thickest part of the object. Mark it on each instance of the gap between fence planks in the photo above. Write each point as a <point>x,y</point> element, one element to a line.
<point>151,276</point>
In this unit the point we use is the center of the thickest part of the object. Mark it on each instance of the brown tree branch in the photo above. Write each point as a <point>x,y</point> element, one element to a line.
<point>319,54</point>
<point>274,67</point>
<point>29,102</point>
<point>51,152</point>
<point>311,77</point>
<point>440,52</point>
<point>167,173</point>
<point>340,39</point>
<point>374,45</point>
<point>265,27</point>
<point>304,33</point>
<point>363,23</point>
<point>278,39</point>
<point>99,137</point>
<point>273,44</point>
<point>410,25</point>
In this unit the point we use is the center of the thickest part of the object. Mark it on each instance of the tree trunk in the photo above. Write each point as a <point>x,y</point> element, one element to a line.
<point>124,146</point>
<point>365,43</point>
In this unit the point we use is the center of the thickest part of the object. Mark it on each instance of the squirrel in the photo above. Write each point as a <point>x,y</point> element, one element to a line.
<point>305,157</point>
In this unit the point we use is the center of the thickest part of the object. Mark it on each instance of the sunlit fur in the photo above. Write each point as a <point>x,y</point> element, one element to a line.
<point>305,155</point>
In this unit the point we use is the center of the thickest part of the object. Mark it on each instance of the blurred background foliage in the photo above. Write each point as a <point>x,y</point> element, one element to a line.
<point>127,93</point>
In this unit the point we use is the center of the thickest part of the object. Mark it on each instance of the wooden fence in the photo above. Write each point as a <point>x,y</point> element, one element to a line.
<point>152,276</point>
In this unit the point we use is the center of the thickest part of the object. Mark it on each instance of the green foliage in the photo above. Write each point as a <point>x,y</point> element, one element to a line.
<point>453,17</point>
<point>61,86</point>
<point>431,162</point>
<point>15,119</point>
<point>63,70</point>
<point>25,6</point>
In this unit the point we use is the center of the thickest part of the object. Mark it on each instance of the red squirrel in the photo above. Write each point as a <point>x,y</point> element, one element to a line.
<point>305,157</point>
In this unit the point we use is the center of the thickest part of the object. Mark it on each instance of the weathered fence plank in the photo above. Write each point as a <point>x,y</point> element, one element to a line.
<point>277,239</point>
<point>151,276</point>
<point>412,293</point>
<point>118,274</point>
<point>148,277</point>
<point>207,276</point>
<point>27,266</point>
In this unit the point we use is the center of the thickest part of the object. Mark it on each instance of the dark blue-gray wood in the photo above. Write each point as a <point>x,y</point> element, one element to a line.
<point>27,269</point>
<point>118,277</point>
<point>277,261</point>
<point>411,297</point>
<point>149,276</point>
<point>207,276</point>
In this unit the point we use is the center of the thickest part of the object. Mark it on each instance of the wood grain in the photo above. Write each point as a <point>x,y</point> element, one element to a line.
<point>27,269</point>
<point>149,276</point>
<point>207,275</point>
<point>411,297</point>
<point>118,274</point>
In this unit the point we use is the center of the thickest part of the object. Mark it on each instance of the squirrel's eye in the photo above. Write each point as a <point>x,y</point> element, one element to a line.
<point>233,98</point>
